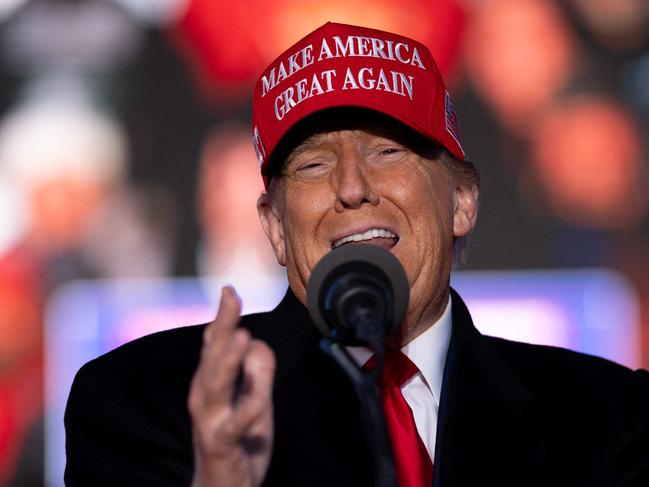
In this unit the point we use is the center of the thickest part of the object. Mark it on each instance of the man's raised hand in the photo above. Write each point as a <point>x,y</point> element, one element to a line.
<point>232,419</point>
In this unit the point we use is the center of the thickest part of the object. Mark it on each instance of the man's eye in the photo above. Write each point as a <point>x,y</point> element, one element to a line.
<point>310,166</point>
<point>391,150</point>
<point>313,168</point>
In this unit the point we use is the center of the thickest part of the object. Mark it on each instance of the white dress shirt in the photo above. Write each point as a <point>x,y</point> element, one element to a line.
<point>422,392</point>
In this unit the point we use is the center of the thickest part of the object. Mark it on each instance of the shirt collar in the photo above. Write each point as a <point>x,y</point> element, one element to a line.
<point>427,351</point>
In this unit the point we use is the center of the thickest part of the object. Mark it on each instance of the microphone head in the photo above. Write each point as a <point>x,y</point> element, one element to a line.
<point>361,276</point>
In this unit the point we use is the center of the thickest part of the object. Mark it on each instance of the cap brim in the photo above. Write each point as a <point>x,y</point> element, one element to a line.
<point>332,118</point>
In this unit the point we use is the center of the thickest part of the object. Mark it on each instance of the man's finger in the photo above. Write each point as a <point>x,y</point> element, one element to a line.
<point>221,355</point>
<point>227,316</point>
<point>218,335</point>
<point>255,398</point>
<point>219,374</point>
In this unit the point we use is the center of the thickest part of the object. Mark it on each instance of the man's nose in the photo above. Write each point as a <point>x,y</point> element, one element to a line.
<point>353,186</point>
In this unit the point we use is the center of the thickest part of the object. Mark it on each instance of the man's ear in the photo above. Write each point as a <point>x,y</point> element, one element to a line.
<point>466,210</point>
<point>269,216</point>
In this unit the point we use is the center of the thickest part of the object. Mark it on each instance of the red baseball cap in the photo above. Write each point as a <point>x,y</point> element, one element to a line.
<point>340,65</point>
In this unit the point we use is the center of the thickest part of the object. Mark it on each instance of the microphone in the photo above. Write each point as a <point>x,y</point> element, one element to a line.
<point>357,294</point>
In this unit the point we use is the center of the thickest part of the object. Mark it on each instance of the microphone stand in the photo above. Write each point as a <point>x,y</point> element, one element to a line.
<point>374,426</point>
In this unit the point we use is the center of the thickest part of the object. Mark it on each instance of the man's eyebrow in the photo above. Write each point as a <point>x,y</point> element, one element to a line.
<point>301,148</point>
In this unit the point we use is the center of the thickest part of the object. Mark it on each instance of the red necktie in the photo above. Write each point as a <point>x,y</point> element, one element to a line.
<point>411,460</point>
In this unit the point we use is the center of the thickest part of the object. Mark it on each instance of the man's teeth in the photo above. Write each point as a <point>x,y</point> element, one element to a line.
<point>367,235</point>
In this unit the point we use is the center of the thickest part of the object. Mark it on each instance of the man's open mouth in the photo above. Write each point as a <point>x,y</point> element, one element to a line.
<point>374,236</point>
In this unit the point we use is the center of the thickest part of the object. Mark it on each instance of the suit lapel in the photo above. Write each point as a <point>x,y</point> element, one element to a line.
<point>486,417</point>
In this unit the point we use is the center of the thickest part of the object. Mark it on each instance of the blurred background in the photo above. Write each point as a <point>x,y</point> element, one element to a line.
<point>128,180</point>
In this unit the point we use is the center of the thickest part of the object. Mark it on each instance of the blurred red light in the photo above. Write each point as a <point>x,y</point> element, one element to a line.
<point>588,157</point>
<point>518,54</point>
<point>228,44</point>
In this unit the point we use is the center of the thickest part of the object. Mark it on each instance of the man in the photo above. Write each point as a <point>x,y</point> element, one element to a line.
<point>357,141</point>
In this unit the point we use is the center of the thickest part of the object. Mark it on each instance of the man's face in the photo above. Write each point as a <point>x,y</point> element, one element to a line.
<point>344,186</point>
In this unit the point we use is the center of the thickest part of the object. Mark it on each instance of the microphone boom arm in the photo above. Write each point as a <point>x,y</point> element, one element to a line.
<point>374,427</point>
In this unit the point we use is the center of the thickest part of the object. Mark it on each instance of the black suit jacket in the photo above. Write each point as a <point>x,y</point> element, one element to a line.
<point>510,414</point>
